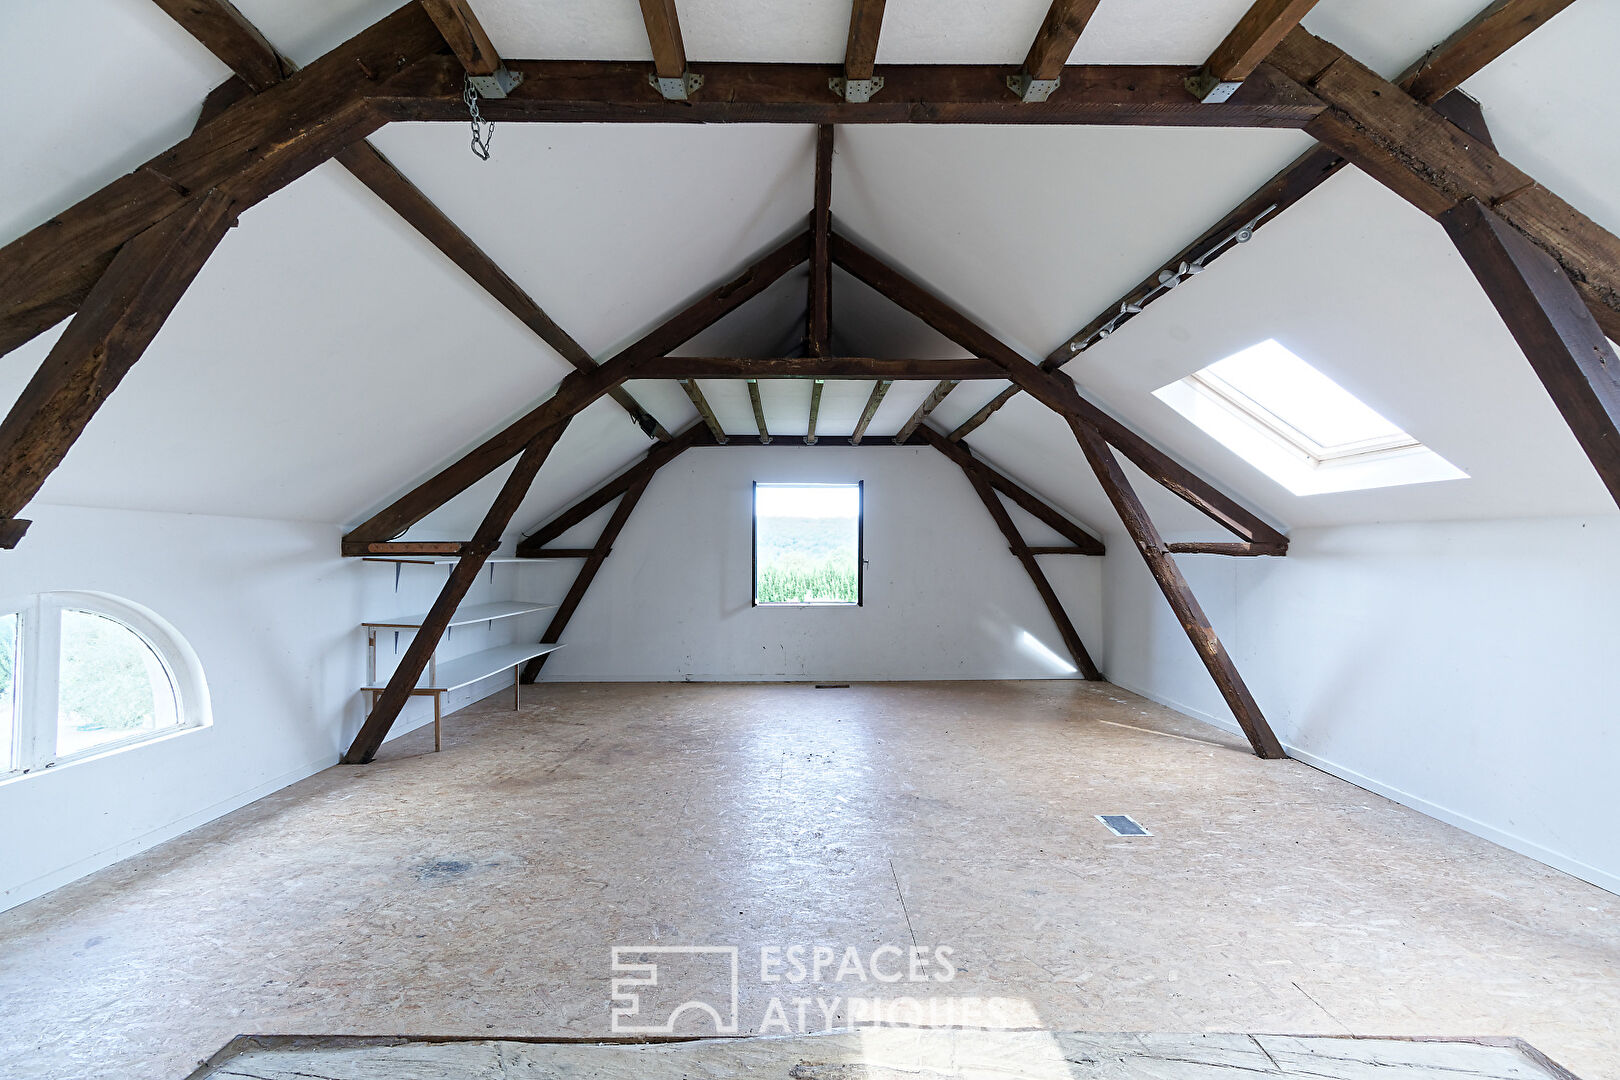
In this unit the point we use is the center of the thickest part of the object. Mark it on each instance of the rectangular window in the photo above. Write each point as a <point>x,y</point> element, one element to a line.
<point>1299,427</point>
<point>807,543</point>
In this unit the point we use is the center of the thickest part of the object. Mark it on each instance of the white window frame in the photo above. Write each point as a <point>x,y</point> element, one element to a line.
<point>35,689</point>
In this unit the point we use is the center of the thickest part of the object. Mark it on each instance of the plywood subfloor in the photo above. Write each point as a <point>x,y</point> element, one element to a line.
<point>478,892</point>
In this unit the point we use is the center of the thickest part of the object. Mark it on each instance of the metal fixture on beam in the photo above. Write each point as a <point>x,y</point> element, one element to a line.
<point>676,88</point>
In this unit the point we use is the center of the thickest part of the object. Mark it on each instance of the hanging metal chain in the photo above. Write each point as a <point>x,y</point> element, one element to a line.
<point>482,132</point>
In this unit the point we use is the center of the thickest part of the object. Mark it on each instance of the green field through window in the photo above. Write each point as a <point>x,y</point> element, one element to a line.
<point>807,543</point>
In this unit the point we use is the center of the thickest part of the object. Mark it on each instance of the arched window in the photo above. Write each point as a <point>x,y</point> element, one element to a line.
<point>83,674</point>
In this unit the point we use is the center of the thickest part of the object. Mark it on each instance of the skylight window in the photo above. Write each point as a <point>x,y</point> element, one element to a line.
<point>1299,427</point>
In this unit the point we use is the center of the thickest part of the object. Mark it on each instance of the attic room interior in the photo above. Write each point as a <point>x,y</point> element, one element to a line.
<point>1055,538</point>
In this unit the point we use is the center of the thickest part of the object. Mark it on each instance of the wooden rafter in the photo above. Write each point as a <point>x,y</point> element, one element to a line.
<point>227,33</point>
<point>1435,165</point>
<point>1447,66</point>
<point>250,150</point>
<point>819,323</point>
<point>860,50</point>
<point>701,404</point>
<point>391,186</point>
<point>759,411</point>
<point>1060,30</point>
<point>873,400</point>
<point>235,41</point>
<point>1486,36</point>
<point>485,540</point>
<point>1054,390</point>
<point>935,397</point>
<point>1558,335</point>
<point>815,412</point>
<point>1260,30</point>
<point>856,368</point>
<point>578,390</point>
<point>120,316</point>
<point>1083,541</point>
<point>1037,577</point>
<point>664,33</point>
<point>1176,591</point>
<point>655,459</point>
<point>464,34</point>
<point>604,91</point>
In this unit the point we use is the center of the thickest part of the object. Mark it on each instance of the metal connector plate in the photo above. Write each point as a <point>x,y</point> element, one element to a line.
<point>856,91</point>
<point>1030,90</point>
<point>676,89</point>
<point>496,85</point>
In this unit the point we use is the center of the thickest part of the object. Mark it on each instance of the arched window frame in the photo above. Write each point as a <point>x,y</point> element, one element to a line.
<point>36,687</point>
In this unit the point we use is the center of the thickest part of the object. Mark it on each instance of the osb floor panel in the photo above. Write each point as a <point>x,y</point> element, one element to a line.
<point>891,1054</point>
<point>478,892</point>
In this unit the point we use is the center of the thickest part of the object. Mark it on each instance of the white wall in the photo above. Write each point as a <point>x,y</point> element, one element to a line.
<point>273,615</point>
<point>1466,669</point>
<point>945,599</point>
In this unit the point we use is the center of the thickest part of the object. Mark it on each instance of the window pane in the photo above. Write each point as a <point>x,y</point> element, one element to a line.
<point>807,543</point>
<point>112,685</point>
<point>9,624</point>
<point>1302,397</point>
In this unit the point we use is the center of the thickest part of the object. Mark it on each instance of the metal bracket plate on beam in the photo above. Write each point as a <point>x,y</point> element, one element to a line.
<point>680,88</point>
<point>1210,90</point>
<point>1032,90</point>
<point>856,91</point>
<point>497,84</point>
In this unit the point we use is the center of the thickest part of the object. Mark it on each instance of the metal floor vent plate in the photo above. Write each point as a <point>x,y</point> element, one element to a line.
<point>1122,825</point>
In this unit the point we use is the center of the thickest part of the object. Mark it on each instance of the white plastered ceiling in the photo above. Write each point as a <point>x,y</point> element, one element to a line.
<point>328,358</point>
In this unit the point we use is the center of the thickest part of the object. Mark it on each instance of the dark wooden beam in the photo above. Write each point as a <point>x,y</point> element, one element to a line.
<point>464,34</point>
<point>120,316</point>
<point>1176,591</point>
<point>664,33</point>
<point>1016,544</point>
<point>1054,390</point>
<point>860,50</point>
<point>879,389</point>
<point>593,564</point>
<point>988,409</point>
<point>1033,505</point>
<point>251,149</point>
<point>1488,35</point>
<point>597,91</point>
<point>390,185</point>
<point>853,368</point>
<point>1060,30</point>
<point>578,390</point>
<point>1551,323</point>
<point>357,549</point>
<point>815,412</point>
<point>1200,547</point>
<point>819,327</point>
<point>1260,30</point>
<point>227,33</point>
<point>759,410</point>
<point>701,404</point>
<point>935,396</point>
<point>656,458</point>
<point>1435,165</point>
<point>386,707</point>
<point>822,442</point>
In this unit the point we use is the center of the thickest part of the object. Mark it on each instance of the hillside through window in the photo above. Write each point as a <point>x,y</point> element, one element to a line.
<point>112,686</point>
<point>807,543</point>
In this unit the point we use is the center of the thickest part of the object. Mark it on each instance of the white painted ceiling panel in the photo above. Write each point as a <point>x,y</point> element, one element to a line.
<point>132,89</point>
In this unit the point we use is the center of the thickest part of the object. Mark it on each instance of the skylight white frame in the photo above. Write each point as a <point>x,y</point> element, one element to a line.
<point>1287,455</point>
